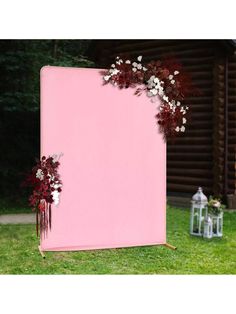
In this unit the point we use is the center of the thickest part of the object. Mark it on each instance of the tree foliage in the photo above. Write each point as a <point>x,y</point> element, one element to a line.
<point>20,62</point>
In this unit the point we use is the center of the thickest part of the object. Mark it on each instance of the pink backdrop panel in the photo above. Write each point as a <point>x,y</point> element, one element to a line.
<point>114,164</point>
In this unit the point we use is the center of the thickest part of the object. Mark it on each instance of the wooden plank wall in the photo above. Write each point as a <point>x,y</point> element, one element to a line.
<point>196,158</point>
<point>232,124</point>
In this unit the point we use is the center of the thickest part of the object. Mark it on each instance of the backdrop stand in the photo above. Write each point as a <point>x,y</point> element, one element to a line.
<point>172,247</point>
<point>128,160</point>
<point>169,246</point>
<point>41,252</point>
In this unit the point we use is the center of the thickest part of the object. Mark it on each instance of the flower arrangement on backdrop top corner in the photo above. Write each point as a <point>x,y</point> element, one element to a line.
<point>46,185</point>
<point>164,80</point>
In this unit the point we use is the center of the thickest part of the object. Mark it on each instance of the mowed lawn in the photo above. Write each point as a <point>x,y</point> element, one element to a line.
<point>19,253</point>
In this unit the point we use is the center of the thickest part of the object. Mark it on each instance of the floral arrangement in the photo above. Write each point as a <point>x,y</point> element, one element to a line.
<point>159,79</point>
<point>46,184</point>
<point>214,206</point>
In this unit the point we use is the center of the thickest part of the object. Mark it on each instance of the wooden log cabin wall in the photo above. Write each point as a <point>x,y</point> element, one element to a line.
<point>205,154</point>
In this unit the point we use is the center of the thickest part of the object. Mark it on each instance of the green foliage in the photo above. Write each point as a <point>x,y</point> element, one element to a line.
<point>20,62</point>
<point>19,253</point>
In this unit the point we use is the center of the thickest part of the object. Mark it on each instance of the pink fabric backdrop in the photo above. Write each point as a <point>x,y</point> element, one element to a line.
<point>114,163</point>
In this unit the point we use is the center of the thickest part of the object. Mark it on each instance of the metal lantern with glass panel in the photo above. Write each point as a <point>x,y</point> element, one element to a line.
<point>198,213</point>
<point>207,227</point>
<point>217,225</point>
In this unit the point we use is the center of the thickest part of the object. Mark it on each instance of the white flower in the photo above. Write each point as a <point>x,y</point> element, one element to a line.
<point>127,61</point>
<point>134,69</point>
<point>216,204</point>
<point>150,85</point>
<point>55,194</point>
<point>39,174</point>
<point>117,57</point>
<point>172,81</point>
<point>134,64</point>
<point>153,91</point>
<point>55,197</point>
<point>139,66</point>
<point>171,77</point>
<point>149,94</point>
<point>186,107</point>
<point>184,120</point>
<point>177,129</point>
<point>156,80</point>
<point>161,93</point>
<point>182,129</point>
<point>139,58</point>
<point>113,65</point>
<point>121,61</point>
<point>178,103</point>
<point>144,69</point>
<point>56,157</point>
<point>165,98</point>
<point>114,71</point>
<point>176,72</point>
<point>106,77</point>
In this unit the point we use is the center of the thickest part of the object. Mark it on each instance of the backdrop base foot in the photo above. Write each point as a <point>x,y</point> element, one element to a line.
<point>172,247</point>
<point>41,252</point>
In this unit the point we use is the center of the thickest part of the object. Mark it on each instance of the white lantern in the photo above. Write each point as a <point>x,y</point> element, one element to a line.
<point>217,225</point>
<point>207,227</point>
<point>198,213</point>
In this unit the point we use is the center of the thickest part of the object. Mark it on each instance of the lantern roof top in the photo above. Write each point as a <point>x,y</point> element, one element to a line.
<point>199,197</point>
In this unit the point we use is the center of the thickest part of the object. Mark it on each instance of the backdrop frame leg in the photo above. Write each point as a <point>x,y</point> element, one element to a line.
<point>172,247</point>
<point>41,252</point>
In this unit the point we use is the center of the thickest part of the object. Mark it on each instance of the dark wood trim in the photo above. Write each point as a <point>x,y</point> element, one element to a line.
<point>226,122</point>
<point>218,124</point>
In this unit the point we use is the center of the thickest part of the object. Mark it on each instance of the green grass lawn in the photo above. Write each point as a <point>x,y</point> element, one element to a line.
<point>19,253</point>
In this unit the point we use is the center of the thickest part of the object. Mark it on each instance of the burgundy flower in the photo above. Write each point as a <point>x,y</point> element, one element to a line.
<point>163,79</point>
<point>42,189</point>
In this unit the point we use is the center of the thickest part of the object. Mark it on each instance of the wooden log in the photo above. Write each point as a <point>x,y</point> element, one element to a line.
<point>190,164</point>
<point>168,44</point>
<point>200,100</point>
<point>204,180</point>
<point>189,172</point>
<point>161,46</point>
<point>200,107</point>
<point>204,127</point>
<point>187,188</point>
<point>196,140</point>
<point>189,148</point>
<point>198,75</point>
<point>232,139</point>
<point>190,156</point>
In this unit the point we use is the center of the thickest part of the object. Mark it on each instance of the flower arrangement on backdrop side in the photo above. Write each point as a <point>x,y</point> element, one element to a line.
<point>164,80</point>
<point>45,181</point>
